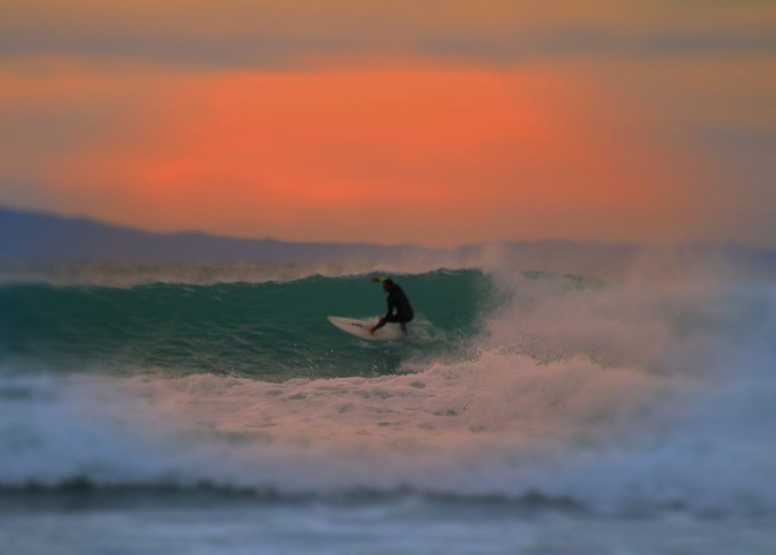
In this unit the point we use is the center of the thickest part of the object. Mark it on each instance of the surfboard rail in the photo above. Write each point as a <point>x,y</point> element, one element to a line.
<point>361,328</point>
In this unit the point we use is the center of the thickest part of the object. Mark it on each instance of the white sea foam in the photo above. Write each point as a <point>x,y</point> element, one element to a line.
<point>629,395</point>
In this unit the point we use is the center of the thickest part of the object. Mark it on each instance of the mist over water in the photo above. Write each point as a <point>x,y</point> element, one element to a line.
<point>611,395</point>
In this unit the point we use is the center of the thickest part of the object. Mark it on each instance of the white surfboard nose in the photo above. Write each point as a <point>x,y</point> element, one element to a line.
<point>362,328</point>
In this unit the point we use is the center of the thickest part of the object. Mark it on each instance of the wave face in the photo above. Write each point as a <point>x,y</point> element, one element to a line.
<point>616,396</point>
<point>269,331</point>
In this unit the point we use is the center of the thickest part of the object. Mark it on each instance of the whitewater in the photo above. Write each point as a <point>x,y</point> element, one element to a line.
<point>527,412</point>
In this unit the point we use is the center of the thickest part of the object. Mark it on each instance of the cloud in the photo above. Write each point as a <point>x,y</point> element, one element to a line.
<point>298,33</point>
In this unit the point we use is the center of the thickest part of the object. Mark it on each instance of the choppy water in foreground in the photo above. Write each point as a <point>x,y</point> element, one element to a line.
<point>526,413</point>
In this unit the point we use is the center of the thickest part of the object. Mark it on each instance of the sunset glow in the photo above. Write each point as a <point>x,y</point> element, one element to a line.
<point>380,139</point>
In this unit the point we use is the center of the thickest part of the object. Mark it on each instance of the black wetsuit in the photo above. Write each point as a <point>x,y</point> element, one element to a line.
<point>399,310</point>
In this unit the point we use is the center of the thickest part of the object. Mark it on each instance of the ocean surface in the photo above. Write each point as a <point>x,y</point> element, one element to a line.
<point>198,410</point>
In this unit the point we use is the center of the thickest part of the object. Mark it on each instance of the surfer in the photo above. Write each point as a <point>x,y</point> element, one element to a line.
<point>399,308</point>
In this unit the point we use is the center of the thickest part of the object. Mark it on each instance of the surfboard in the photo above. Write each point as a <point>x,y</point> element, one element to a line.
<point>360,328</point>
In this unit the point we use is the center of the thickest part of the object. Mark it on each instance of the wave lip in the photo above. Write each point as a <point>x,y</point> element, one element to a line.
<point>610,262</point>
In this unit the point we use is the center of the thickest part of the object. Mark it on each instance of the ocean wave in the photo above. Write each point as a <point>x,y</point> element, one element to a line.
<point>610,262</point>
<point>500,426</point>
<point>133,274</point>
<point>271,330</point>
<point>612,395</point>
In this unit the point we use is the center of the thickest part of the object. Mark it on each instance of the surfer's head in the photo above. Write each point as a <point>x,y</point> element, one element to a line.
<point>387,282</point>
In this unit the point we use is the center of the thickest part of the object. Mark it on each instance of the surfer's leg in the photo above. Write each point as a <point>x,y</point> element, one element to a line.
<point>403,326</point>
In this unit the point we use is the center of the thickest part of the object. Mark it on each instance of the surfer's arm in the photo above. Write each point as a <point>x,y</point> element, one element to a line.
<point>378,325</point>
<point>384,319</point>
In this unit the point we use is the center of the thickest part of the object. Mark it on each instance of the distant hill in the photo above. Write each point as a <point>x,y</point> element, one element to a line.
<point>34,236</point>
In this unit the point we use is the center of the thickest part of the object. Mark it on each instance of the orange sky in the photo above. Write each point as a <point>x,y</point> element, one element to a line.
<point>384,140</point>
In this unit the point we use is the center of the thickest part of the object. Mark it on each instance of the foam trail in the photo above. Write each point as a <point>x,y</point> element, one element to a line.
<point>617,396</point>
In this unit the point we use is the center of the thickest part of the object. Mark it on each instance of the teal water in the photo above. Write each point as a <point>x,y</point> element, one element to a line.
<point>271,330</point>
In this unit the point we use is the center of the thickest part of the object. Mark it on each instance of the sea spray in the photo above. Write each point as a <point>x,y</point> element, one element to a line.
<point>617,396</point>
